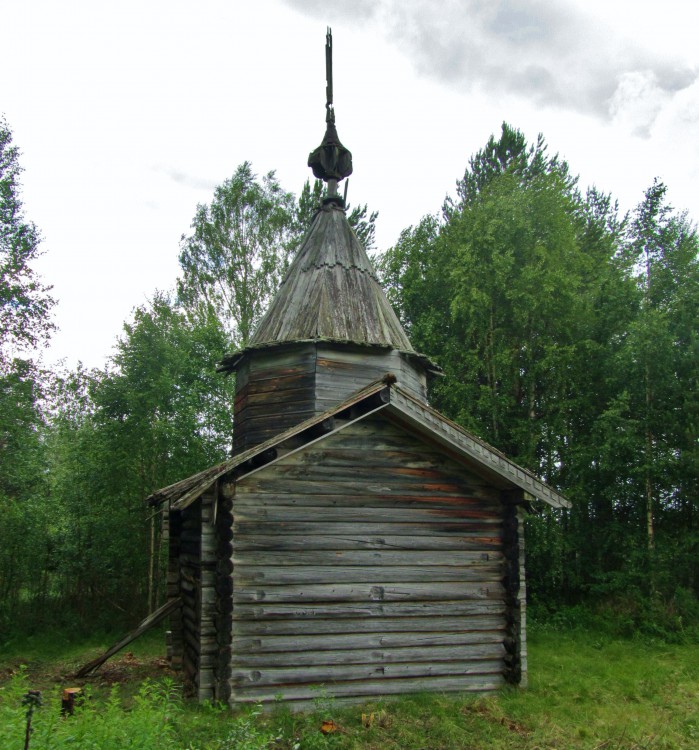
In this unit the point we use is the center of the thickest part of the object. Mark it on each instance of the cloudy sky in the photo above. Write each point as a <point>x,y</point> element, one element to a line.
<point>129,113</point>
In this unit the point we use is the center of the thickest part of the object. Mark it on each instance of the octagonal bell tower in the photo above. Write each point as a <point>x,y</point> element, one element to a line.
<point>329,330</point>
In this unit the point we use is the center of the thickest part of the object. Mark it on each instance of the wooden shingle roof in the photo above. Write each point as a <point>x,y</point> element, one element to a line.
<point>331,292</point>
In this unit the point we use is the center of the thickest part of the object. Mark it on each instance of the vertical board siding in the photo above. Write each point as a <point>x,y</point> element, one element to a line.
<point>368,563</point>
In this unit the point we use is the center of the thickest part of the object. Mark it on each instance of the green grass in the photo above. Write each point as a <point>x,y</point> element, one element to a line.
<point>587,691</point>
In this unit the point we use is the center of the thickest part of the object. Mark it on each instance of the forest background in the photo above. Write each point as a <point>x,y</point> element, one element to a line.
<point>568,337</point>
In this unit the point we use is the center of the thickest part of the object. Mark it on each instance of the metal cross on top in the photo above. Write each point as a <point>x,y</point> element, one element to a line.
<point>331,161</point>
<point>330,112</point>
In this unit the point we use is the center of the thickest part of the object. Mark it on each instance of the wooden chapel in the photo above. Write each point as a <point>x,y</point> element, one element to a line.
<point>357,539</point>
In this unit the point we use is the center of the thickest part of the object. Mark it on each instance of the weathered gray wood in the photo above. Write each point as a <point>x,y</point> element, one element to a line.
<point>153,619</point>
<point>331,292</point>
<point>522,596</point>
<point>422,516</point>
<point>445,527</point>
<point>380,591</point>
<point>379,656</point>
<point>303,696</point>
<point>465,540</point>
<point>349,672</point>
<point>381,557</point>
<point>246,645</point>
<point>305,574</point>
<point>297,481</point>
<point>255,621</point>
<point>339,550</point>
<point>275,392</point>
<point>369,610</point>
<point>246,499</point>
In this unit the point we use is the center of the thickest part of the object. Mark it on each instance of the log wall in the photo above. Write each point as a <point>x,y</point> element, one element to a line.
<point>194,643</point>
<point>340,371</point>
<point>189,575</point>
<point>371,564</point>
<point>274,391</point>
<point>277,389</point>
<point>175,636</point>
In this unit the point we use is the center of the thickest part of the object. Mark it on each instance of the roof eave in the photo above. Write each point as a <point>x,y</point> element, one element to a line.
<point>402,407</point>
<point>459,442</point>
<point>231,362</point>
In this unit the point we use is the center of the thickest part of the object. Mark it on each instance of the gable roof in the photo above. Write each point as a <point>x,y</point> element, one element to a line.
<point>397,405</point>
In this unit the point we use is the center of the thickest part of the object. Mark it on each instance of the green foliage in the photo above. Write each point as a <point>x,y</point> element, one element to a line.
<point>25,532</point>
<point>82,450</point>
<point>24,301</point>
<point>159,413</point>
<point>149,722</point>
<point>237,253</point>
<point>587,689</point>
<point>568,337</point>
<point>567,333</point>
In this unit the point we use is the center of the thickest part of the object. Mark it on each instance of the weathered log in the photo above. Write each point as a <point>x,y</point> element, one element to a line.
<point>153,619</point>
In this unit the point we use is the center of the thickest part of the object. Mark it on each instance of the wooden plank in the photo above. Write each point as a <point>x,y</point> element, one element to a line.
<point>328,530</point>
<point>370,609</point>
<point>244,645</point>
<point>342,453</point>
<point>381,557</point>
<point>302,380</point>
<point>246,498</point>
<point>278,393</point>
<point>302,574</point>
<point>322,515</point>
<point>380,591</point>
<point>255,624</point>
<point>335,673</point>
<point>293,359</point>
<point>153,619</point>
<point>284,409</point>
<point>305,696</point>
<point>465,540</point>
<point>297,481</point>
<point>428,656</point>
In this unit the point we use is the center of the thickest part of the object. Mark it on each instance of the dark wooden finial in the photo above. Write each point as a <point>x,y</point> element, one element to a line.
<point>331,161</point>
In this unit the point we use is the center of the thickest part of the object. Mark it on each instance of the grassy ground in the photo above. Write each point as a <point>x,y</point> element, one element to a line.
<point>586,691</point>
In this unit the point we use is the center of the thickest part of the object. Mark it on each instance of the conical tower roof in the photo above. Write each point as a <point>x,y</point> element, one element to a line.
<point>331,292</point>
